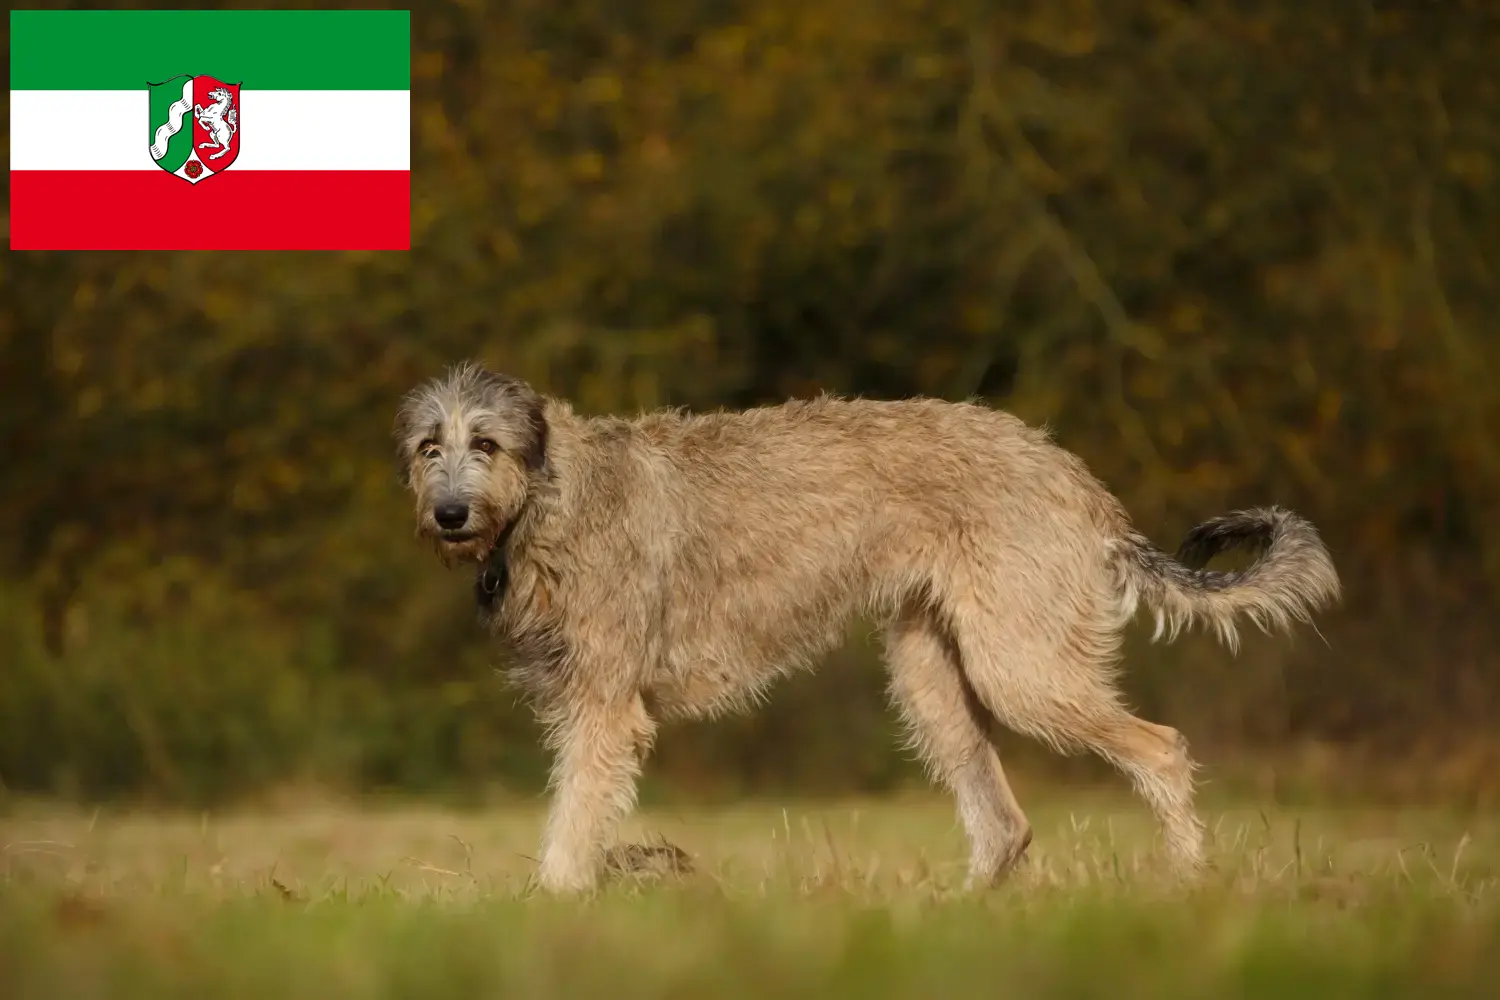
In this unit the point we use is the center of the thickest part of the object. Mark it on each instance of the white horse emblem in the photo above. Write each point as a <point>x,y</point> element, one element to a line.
<point>220,120</point>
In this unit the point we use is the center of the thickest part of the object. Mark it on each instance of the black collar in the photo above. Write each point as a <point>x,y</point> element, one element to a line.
<point>494,574</point>
<point>489,583</point>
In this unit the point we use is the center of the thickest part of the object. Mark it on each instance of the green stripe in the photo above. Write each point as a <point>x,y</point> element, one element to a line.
<point>261,49</point>
<point>181,145</point>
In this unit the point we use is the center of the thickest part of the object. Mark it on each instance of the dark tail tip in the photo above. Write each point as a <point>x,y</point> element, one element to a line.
<point>1252,530</point>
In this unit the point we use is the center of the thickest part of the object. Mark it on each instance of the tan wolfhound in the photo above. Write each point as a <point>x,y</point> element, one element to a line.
<point>675,565</point>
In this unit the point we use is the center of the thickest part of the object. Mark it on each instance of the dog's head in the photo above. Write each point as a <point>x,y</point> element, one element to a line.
<point>471,445</point>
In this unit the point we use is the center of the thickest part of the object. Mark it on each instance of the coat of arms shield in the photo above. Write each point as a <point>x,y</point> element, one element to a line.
<point>195,126</point>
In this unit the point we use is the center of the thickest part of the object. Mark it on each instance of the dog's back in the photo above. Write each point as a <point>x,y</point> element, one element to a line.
<point>773,528</point>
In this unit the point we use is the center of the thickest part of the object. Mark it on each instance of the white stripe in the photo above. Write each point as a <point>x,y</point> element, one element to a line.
<point>283,130</point>
<point>164,132</point>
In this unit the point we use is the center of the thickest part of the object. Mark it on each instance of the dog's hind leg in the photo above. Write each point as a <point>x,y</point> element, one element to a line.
<point>1038,683</point>
<point>947,726</point>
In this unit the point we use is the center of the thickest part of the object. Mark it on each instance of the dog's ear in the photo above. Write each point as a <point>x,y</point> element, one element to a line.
<point>505,393</point>
<point>535,454</point>
<point>416,417</point>
<point>401,435</point>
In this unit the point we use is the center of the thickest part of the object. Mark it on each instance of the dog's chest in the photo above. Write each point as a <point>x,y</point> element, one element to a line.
<point>517,606</point>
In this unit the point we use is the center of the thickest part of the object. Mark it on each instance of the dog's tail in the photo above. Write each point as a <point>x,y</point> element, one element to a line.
<point>1292,578</point>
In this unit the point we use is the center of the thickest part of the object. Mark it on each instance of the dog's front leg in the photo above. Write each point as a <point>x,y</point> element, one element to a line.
<point>593,782</point>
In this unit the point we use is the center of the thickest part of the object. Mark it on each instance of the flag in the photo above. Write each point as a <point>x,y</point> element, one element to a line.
<point>210,130</point>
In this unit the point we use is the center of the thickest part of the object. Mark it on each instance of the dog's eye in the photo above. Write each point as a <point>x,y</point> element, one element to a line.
<point>427,448</point>
<point>486,445</point>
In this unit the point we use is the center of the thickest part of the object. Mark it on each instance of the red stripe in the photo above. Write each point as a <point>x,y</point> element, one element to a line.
<point>237,210</point>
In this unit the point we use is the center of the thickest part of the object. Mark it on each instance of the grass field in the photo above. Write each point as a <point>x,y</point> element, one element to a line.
<point>853,899</point>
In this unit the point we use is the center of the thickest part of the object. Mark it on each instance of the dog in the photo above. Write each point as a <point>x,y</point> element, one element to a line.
<point>675,565</point>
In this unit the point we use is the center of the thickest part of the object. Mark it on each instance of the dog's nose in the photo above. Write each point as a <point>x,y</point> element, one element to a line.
<point>451,515</point>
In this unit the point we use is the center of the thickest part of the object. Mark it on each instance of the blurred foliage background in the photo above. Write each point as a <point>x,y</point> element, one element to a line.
<point>1232,251</point>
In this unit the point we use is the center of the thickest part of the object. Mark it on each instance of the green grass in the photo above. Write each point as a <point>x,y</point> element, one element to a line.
<point>829,900</point>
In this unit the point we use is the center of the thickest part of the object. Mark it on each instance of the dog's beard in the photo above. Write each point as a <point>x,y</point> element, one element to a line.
<point>457,551</point>
<point>469,545</point>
